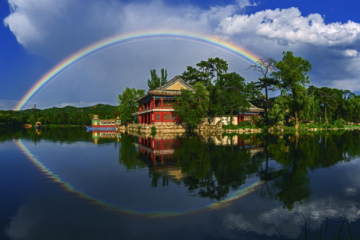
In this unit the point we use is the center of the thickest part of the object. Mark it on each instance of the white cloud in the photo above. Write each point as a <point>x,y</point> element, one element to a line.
<point>315,211</point>
<point>289,25</point>
<point>351,53</point>
<point>245,3</point>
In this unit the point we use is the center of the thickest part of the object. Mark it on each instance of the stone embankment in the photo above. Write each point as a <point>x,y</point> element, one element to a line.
<point>210,128</point>
<point>159,128</point>
<point>211,138</point>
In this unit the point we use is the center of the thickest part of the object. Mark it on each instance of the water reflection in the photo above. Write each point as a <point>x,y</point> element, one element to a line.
<point>245,183</point>
<point>213,166</point>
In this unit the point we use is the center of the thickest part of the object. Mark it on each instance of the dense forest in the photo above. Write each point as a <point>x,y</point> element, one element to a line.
<point>58,116</point>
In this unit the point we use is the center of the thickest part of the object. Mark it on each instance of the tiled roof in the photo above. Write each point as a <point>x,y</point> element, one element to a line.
<point>172,82</point>
<point>163,90</point>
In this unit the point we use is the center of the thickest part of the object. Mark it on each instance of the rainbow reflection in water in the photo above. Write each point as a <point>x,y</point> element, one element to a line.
<point>111,207</point>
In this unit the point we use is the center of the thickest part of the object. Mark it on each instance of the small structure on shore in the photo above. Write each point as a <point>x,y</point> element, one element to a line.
<point>245,116</point>
<point>105,123</point>
<point>37,125</point>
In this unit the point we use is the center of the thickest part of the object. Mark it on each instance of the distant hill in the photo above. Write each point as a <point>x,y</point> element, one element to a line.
<point>96,109</point>
<point>58,116</point>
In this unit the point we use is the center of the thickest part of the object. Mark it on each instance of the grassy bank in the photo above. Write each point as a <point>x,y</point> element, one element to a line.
<point>302,127</point>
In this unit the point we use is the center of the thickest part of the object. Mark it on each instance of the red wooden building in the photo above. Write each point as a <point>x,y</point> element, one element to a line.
<point>156,106</point>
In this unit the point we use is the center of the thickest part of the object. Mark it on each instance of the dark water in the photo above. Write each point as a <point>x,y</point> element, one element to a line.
<point>64,183</point>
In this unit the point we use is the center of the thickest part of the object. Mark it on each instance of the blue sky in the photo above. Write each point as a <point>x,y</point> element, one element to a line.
<point>37,34</point>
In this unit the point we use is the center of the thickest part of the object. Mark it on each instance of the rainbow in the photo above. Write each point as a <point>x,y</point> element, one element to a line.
<point>124,210</point>
<point>129,38</point>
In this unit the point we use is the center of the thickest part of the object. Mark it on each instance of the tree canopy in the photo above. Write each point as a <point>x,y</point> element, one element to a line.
<point>265,66</point>
<point>206,72</point>
<point>127,104</point>
<point>192,106</point>
<point>293,76</point>
<point>233,93</point>
<point>155,81</point>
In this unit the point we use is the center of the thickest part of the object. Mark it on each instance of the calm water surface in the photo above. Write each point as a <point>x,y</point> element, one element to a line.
<point>65,183</point>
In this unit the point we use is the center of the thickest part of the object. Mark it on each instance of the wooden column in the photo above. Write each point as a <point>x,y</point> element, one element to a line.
<point>162,103</point>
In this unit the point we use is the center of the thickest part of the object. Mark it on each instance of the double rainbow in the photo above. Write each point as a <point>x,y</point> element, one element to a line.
<point>134,37</point>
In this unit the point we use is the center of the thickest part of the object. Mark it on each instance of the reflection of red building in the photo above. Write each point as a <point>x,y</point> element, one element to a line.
<point>158,153</point>
<point>158,150</point>
<point>250,144</point>
<point>156,106</point>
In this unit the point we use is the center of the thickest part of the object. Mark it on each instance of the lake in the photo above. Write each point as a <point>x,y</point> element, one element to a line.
<point>65,183</point>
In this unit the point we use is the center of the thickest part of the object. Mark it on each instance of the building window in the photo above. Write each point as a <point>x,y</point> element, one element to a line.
<point>157,117</point>
<point>247,118</point>
<point>169,144</point>
<point>170,116</point>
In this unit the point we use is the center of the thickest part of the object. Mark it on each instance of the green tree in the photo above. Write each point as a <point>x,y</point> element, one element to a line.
<point>293,76</point>
<point>127,104</point>
<point>217,67</point>
<point>280,108</point>
<point>234,93</point>
<point>191,106</point>
<point>163,78</point>
<point>265,66</point>
<point>256,96</point>
<point>205,72</point>
<point>155,80</point>
<point>326,97</point>
<point>354,102</point>
<point>191,75</point>
<point>215,106</point>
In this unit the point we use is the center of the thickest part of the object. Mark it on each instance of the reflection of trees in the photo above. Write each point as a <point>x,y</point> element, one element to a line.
<point>299,153</point>
<point>212,171</point>
<point>215,170</point>
<point>52,134</point>
<point>128,153</point>
<point>292,183</point>
<point>155,177</point>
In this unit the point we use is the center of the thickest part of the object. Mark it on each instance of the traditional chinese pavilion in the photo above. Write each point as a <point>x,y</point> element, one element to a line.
<point>157,105</point>
<point>251,111</point>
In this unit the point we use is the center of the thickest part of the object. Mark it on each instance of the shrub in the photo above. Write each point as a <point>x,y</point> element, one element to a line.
<point>153,130</point>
